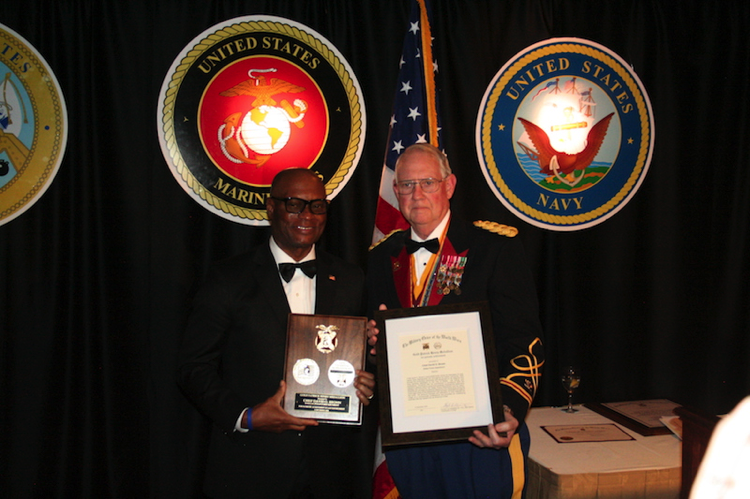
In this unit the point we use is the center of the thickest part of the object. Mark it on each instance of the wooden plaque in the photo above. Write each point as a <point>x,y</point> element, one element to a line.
<point>322,354</point>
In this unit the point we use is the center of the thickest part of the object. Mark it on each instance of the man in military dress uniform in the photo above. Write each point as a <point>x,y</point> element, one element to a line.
<point>441,260</point>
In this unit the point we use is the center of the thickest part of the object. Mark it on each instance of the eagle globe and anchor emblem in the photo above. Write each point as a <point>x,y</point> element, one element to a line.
<point>250,97</point>
<point>253,136</point>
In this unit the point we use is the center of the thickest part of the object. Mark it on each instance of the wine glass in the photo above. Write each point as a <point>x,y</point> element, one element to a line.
<point>571,378</point>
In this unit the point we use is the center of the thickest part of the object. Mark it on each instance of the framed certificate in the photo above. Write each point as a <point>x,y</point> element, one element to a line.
<point>323,353</point>
<point>643,416</point>
<point>437,375</point>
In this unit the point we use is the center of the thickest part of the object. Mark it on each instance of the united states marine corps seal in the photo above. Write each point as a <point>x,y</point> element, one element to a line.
<point>565,134</point>
<point>33,125</point>
<point>250,97</point>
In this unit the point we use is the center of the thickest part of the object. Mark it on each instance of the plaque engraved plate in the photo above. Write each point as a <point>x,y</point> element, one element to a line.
<point>323,353</point>
<point>319,402</point>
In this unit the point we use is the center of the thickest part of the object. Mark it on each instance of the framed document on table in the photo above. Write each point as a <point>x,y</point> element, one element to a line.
<point>323,353</point>
<point>437,375</point>
<point>643,416</point>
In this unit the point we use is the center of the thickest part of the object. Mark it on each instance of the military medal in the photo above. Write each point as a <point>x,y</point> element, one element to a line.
<point>450,274</point>
<point>441,276</point>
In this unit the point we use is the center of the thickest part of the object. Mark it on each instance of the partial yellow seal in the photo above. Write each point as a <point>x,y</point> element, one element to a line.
<point>33,125</point>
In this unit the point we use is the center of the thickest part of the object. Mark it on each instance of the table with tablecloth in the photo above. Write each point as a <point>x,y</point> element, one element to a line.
<point>646,467</point>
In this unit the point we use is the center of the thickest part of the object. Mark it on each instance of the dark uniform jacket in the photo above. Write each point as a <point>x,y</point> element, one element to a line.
<point>496,272</point>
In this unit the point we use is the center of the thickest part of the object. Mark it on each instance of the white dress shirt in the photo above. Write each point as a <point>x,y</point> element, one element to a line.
<point>300,293</point>
<point>422,256</point>
<point>300,290</point>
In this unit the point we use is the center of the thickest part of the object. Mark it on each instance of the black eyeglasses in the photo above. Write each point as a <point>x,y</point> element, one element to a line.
<point>428,185</point>
<point>297,205</point>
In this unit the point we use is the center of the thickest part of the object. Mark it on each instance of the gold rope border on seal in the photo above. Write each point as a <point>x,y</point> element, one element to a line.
<point>642,153</point>
<point>254,27</point>
<point>37,166</point>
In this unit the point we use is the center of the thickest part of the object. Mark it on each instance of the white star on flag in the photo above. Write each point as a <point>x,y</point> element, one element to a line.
<point>415,115</point>
<point>419,72</point>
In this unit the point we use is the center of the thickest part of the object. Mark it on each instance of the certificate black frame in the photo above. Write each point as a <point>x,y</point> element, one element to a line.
<point>391,439</point>
<point>629,422</point>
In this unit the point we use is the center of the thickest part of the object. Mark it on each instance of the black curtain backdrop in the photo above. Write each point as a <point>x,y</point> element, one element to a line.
<point>96,277</point>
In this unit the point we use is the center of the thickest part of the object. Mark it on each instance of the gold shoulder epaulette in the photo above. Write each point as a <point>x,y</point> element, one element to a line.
<point>383,239</point>
<point>503,230</point>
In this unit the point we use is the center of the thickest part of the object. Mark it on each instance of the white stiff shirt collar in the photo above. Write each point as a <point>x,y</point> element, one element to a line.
<point>300,291</point>
<point>422,256</point>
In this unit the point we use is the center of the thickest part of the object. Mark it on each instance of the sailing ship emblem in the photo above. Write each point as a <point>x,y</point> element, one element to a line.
<point>566,167</point>
<point>565,134</point>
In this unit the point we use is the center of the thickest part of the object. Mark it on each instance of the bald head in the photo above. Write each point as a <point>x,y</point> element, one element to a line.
<point>289,176</point>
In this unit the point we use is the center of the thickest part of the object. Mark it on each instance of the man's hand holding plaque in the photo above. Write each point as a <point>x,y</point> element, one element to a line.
<point>324,371</point>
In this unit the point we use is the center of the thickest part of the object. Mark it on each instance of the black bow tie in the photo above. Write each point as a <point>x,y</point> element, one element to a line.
<point>287,269</point>
<point>431,245</point>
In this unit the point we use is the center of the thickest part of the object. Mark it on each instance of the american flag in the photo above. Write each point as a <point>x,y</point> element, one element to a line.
<point>415,116</point>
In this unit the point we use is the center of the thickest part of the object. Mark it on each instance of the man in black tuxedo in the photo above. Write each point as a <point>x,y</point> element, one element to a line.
<point>442,260</point>
<point>232,359</point>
